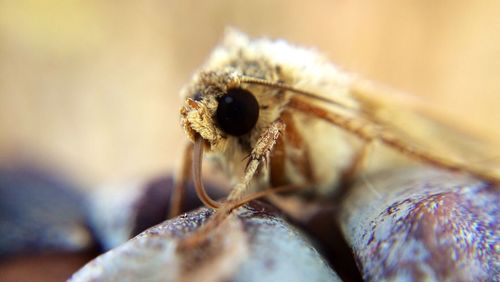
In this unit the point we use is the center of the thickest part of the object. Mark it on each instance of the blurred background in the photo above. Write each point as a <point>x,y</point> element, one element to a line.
<point>89,90</point>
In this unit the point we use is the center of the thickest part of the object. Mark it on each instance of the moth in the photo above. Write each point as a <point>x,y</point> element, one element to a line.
<point>276,115</point>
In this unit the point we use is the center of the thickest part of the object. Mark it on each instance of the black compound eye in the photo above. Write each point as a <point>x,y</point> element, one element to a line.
<point>237,112</point>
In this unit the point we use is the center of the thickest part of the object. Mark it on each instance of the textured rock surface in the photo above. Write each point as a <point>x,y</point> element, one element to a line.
<point>253,244</point>
<point>421,224</point>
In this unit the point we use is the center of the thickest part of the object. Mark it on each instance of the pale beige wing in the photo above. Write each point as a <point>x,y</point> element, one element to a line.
<point>413,122</point>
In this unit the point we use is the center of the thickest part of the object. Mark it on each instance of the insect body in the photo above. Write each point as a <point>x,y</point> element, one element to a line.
<point>275,115</point>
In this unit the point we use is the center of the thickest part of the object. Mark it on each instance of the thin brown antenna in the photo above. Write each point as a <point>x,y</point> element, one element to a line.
<point>279,85</point>
<point>198,184</point>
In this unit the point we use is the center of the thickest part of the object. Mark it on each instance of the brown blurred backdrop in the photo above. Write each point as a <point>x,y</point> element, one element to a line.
<point>91,87</point>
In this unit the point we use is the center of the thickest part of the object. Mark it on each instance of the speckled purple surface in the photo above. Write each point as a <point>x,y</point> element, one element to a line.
<point>423,224</point>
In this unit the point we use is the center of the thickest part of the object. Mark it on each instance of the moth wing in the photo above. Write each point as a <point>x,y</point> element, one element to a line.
<point>416,124</point>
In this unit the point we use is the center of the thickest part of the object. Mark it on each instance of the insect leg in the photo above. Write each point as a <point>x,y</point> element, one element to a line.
<point>267,192</point>
<point>259,154</point>
<point>179,191</point>
<point>198,183</point>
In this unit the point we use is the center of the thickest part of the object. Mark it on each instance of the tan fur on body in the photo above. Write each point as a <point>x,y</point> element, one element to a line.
<point>238,57</point>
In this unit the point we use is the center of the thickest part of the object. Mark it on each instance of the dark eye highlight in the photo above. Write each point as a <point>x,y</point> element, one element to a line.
<point>197,96</point>
<point>237,112</point>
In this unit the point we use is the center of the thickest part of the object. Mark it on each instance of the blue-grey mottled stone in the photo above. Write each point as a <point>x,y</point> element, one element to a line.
<point>251,245</point>
<point>39,212</point>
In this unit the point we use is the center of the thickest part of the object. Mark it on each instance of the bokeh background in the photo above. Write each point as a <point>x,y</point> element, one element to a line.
<point>91,88</point>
